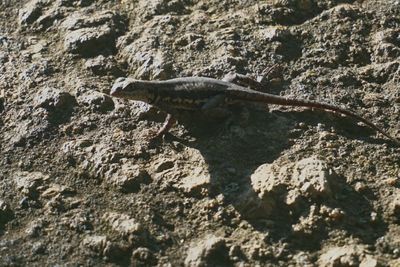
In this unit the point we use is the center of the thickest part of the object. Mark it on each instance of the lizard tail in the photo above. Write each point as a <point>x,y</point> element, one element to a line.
<point>278,100</point>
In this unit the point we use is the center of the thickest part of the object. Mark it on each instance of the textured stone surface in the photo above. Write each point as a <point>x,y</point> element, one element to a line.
<point>209,251</point>
<point>83,184</point>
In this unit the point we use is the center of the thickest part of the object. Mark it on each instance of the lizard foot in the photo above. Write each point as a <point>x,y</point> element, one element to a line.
<point>168,123</point>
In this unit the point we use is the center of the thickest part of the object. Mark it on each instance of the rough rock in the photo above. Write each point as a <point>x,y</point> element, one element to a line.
<point>190,40</point>
<point>38,248</point>
<point>308,224</point>
<point>96,243</point>
<point>276,187</point>
<point>395,262</point>
<point>90,41</point>
<point>350,255</point>
<point>3,56</point>
<point>164,165</point>
<point>6,213</point>
<point>122,223</point>
<point>191,177</point>
<point>81,20</point>
<point>370,261</point>
<point>128,177</point>
<point>386,45</point>
<point>143,257</point>
<point>49,17</point>
<point>28,183</point>
<point>303,259</point>
<point>59,199</point>
<point>203,178</point>
<point>34,73</point>
<point>197,184</point>
<point>94,159</point>
<point>37,49</point>
<point>56,190</point>
<point>340,256</point>
<point>29,131</point>
<point>377,73</point>
<point>267,183</point>
<point>31,11</point>
<point>159,7</point>
<point>53,99</point>
<point>1,104</point>
<point>79,3</point>
<point>312,176</point>
<point>80,222</point>
<point>273,33</point>
<point>102,65</point>
<point>96,101</point>
<point>261,198</point>
<point>35,228</point>
<point>210,251</point>
<point>395,206</point>
<point>144,59</point>
<point>149,64</point>
<point>92,34</point>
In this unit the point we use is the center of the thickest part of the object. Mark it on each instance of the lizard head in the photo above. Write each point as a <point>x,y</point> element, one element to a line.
<point>132,89</point>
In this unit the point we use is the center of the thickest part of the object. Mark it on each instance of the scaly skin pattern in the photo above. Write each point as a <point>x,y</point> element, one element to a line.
<point>200,93</point>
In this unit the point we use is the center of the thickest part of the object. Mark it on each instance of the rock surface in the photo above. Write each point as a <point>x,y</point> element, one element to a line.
<point>82,184</point>
<point>211,251</point>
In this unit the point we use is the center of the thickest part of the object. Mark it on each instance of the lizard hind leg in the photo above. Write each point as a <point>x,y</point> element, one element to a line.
<point>243,80</point>
<point>215,107</point>
<point>249,82</point>
<point>263,83</point>
<point>214,102</point>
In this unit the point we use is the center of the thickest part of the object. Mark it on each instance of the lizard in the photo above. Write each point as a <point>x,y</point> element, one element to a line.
<point>202,93</point>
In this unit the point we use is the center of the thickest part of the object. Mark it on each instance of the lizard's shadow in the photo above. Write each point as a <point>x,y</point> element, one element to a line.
<point>234,154</point>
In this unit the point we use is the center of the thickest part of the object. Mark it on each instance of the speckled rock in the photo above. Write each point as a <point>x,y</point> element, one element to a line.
<point>263,184</point>
<point>395,206</point>
<point>96,101</point>
<point>191,177</point>
<point>211,251</point>
<point>122,223</point>
<point>94,159</point>
<point>143,257</point>
<point>127,177</point>
<point>386,45</point>
<point>70,3</point>
<point>89,41</point>
<point>31,11</point>
<point>350,255</point>
<point>102,65</point>
<point>276,187</point>
<point>81,20</point>
<point>312,176</point>
<point>273,33</point>
<point>53,99</point>
<point>38,248</point>
<point>49,17</point>
<point>198,183</point>
<point>35,227</point>
<point>28,183</point>
<point>6,213</point>
<point>96,243</point>
<point>90,35</point>
<point>263,196</point>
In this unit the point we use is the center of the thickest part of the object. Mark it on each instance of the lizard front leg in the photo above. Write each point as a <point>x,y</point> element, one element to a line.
<point>168,123</point>
<point>265,80</point>
<point>212,108</point>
